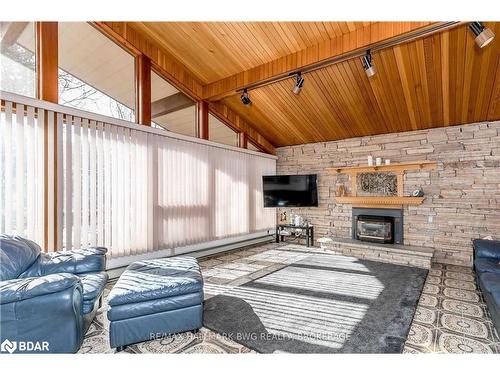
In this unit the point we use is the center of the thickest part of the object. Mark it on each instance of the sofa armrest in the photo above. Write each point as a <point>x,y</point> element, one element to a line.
<point>80,261</point>
<point>46,309</point>
<point>486,249</point>
<point>22,289</point>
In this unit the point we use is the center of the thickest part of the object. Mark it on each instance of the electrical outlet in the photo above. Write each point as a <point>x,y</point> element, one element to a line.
<point>430,219</point>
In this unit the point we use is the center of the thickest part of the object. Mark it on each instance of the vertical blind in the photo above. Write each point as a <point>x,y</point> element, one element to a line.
<point>116,185</point>
<point>22,171</point>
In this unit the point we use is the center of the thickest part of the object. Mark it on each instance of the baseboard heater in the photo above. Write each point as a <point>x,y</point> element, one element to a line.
<point>117,265</point>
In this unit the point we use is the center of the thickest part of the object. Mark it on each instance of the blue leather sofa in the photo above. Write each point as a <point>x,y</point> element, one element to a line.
<point>487,267</point>
<point>48,298</point>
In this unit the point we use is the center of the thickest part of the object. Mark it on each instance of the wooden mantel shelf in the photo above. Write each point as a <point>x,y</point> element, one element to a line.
<point>400,167</point>
<point>380,202</point>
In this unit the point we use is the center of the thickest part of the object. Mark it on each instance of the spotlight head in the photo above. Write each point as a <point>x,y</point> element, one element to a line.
<point>366,60</point>
<point>299,81</point>
<point>483,35</point>
<point>245,99</point>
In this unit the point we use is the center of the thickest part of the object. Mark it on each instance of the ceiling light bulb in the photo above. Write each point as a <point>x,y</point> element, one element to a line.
<point>366,60</point>
<point>299,81</point>
<point>483,35</point>
<point>245,98</point>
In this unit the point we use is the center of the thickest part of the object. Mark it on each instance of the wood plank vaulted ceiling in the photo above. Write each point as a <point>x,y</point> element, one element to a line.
<point>439,80</point>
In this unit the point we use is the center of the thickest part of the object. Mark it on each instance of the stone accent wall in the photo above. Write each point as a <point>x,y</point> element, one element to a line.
<point>462,194</point>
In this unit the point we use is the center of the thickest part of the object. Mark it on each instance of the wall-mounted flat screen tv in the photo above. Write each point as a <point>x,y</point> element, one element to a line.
<point>291,191</point>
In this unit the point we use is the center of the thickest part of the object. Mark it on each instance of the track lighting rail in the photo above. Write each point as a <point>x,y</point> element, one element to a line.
<point>360,52</point>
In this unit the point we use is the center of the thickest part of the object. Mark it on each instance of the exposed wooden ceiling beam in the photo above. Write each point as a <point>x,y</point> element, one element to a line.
<point>10,32</point>
<point>354,41</point>
<point>170,104</point>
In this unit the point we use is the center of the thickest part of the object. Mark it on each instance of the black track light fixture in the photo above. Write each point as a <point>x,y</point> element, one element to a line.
<point>483,35</point>
<point>299,81</point>
<point>245,99</point>
<point>366,60</point>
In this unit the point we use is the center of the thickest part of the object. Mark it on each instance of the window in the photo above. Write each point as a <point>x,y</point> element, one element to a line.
<point>220,132</point>
<point>95,74</point>
<point>252,147</point>
<point>171,109</point>
<point>17,58</point>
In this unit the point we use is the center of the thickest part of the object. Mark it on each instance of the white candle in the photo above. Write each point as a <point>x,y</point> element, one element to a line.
<point>387,162</point>
<point>378,161</point>
<point>370,160</point>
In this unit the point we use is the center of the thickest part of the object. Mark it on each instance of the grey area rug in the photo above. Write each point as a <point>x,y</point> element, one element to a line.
<point>321,304</point>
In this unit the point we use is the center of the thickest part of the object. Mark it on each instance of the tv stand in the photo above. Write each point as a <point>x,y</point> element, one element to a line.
<point>309,231</point>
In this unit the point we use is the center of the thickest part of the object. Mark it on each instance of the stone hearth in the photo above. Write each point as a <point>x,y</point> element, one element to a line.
<point>387,253</point>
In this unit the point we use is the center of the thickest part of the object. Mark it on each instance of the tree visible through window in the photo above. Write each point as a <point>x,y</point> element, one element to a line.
<point>95,74</point>
<point>17,58</point>
<point>77,94</point>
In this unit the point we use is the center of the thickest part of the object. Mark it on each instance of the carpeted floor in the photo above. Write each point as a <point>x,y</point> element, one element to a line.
<point>324,303</point>
<point>451,316</point>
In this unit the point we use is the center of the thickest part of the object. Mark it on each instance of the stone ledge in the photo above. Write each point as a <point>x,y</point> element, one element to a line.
<point>396,254</point>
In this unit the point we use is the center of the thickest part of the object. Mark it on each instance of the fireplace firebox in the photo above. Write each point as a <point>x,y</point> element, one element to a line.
<point>377,225</point>
<point>375,229</point>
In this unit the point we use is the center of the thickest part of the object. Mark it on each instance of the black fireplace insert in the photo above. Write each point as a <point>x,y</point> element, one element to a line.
<point>379,225</point>
<point>375,228</point>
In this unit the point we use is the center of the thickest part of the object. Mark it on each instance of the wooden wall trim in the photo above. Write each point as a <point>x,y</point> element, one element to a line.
<point>203,120</point>
<point>359,38</point>
<point>47,62</point>
<point>242,140</point>
<point>143,90</point>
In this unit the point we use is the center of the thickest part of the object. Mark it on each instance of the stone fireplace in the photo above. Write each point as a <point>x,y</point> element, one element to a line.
<point>378,225</point>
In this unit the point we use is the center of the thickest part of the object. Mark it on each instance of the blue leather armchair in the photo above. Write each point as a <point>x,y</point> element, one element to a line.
<point>487,267</point>
<point>48,297</point>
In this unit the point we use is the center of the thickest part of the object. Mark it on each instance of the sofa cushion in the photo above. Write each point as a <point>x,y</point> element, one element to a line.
<point>132,310</point>
<point>487,265</point>
<point>156,279</point>
<point>81,261</point>
<point>93,286</point>
<point>490,283</point>
<point>486,248</point>
<point>16,255</point>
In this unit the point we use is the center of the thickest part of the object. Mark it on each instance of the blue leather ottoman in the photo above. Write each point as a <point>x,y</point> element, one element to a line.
<point>155,298</point>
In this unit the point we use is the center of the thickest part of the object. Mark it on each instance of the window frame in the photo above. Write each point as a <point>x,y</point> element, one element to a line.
<point>121,43</point>
<point>155,68</point>
<point>236,131</point>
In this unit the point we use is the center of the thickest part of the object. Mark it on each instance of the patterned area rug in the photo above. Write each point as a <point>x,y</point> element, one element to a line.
<point>324,303</point>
